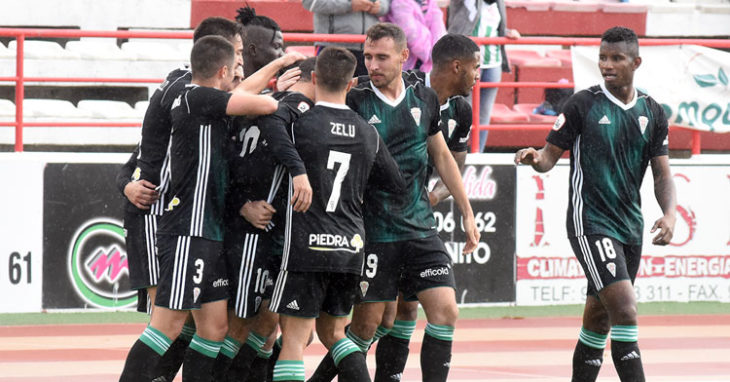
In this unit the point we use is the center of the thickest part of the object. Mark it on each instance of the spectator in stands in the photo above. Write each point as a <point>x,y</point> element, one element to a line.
<point>346,17</point>
<point>484,18</point>
<point>423,23</point>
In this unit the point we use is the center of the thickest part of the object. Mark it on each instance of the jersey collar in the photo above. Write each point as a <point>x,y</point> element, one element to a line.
<point>385,99</point>
<point>333,105</point>
<point>625,106</point>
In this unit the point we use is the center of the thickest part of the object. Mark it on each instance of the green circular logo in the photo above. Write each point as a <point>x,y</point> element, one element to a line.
<point>98,266</point>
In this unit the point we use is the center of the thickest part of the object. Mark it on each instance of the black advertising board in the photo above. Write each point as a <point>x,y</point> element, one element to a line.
<point>487,274</point>
<point>84,255</point>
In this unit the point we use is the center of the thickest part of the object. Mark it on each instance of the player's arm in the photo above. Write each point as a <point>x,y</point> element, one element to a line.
<point>542,160</point>
<point>124,176</point>
<point>666,196</point>
<point>385,174</point>
<point>141,193</point>
<point>440,192</point>
<point>256,82</point>
<point>274,130</point>
<point>451,176</point>
<point>243,102</point>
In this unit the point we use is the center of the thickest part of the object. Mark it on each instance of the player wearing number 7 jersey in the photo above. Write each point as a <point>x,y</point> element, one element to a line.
<point>323,251</point>
<point>613,132</point>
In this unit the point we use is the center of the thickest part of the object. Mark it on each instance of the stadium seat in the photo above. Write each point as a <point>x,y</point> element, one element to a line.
<point>530,58</point>
<point>527,108</point>
<point>624,8</point>
<point>576,6</point>
<point>53,108</point>
<point>307,50</point>
<point>530,5</point>
<point>561,54</point>
<point>503,114</point>
<point>112,110</point>
<point>7,109</point>
<point>141,107</point>
<point>98,50</point>
<point>154,51</point>
<point>43,50</point>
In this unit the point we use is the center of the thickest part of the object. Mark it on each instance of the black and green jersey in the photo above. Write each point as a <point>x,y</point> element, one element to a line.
<point>455,114</point>
<point>199,142</point>
<point>404,124</point>
<point>611,144</point>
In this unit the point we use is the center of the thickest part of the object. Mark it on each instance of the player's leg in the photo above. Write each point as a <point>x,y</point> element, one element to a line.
<point>347,353</point>
<point>610,268</point>
<point>297,298</point>
<point>588,353</point>
<point>212,324</point>
<point>429,277</point>
<point>263,364</point>
<point>377,287</point>
<point>392,350</point>
<point>264,325</point>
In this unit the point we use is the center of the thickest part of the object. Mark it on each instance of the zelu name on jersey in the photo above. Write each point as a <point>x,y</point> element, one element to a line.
<point>330,242</point>
<point>342,130</point>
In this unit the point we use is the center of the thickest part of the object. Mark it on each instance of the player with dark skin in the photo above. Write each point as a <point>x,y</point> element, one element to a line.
<point>615,304</point>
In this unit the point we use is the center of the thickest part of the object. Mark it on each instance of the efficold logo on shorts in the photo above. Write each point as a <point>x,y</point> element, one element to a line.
<point>97,265</point>
<point>329,242</point>
<point>433,272</point>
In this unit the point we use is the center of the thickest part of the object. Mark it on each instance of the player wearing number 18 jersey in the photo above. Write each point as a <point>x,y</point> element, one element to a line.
<point>613,132</point>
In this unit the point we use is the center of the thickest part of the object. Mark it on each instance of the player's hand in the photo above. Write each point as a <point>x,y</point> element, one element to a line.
<point>472,234</point>
<point>141,193</point>
<point>302,198</point>
<point>361,5</point>
<point>512,33</point>
<point>665,225</point>
<point>374,7</point>
<point>258,213</point>
<point>289,78</point>
<point>527,156</point>
<point>290,58</point>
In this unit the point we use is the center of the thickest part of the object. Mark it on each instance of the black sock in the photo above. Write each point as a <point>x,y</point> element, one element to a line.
<point>223,362</point>
<point>172,359</point>
<point>140,364</point>
<point>390,357</point>
<point>353,368</point>
<point>199,359</point>
<point>259,368</point>
<point>436,353</point>
<point>241,364</point>
<point>326,370</point>
<point>272,360</point>
<point>627,360</point>
<point>587,363</point>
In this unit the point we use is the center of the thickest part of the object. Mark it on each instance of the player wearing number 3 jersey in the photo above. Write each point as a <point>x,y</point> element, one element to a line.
<point>613,132</point>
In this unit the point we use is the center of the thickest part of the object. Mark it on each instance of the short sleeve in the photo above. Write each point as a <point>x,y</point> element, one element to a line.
<point>568,125</point>
<point>659,144</point>
<point>434,125</point>
<point>459,141</point>
<point>208,101</point>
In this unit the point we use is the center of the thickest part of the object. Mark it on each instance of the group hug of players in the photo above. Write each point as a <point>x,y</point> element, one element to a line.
<point>296,209</point>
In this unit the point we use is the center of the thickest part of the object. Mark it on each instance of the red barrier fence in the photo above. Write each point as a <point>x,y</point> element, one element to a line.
<point>21,34</point>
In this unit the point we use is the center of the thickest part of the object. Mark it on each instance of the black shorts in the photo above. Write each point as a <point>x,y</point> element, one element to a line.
<point>253,261</point>
<point>192,272</point>
<point>410,266</point>
<point>605,260</point>
<point>305,294</point>
<point>140,236</point>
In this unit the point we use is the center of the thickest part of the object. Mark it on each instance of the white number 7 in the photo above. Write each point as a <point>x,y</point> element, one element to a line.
<point>344,160</point>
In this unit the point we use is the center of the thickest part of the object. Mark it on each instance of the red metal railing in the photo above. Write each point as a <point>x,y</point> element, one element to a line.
<point>21,34</point>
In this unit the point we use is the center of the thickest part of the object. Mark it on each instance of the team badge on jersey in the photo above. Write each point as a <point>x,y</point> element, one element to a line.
<point>643,122</point>
<point>611,268</point>
<point>364,285</point>
<point>452,126</point>
<point>303,106</point>
<point>416,113</point>
<point>137,173</point>
<point>173,203</point>
<point>559,122</point>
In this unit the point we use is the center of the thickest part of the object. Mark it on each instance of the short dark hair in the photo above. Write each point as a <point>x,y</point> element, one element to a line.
<point>335,67</point>
<point>307,66</point>
<point>217,26</point>
<point>209,54</point>
<point>452,47</point>
<point>383,30</point>
<point>248,18</point>
<point>622,34</point>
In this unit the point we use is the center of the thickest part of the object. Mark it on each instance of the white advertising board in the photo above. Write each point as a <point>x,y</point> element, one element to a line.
<point>694,267</point>
<point>21,234</point>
